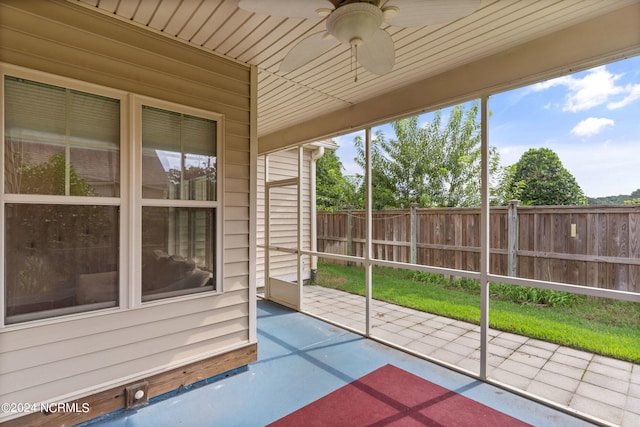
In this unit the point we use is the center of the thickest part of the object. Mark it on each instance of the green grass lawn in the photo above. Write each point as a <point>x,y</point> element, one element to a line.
<point>606,327</point>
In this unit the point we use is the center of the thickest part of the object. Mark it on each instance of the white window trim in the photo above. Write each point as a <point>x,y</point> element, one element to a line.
<point>122,201</point>
<point>130,201</point>
<point>138,202</point>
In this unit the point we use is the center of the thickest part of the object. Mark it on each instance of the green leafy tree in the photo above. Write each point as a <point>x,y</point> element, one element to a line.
<point>539,178</point>
<point>177,176</point>
<point>51,177</point>
<point>504,189</point>
<point>334,190</point>
<point>433,165</point>
<point>634,198</point>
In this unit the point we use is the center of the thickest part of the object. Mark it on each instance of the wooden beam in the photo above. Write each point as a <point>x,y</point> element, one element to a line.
<point>114,399</point>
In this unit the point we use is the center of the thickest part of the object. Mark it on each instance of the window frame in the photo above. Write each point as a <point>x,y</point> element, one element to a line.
<point>130,202</point>
<point>36,318</point>
<point>138,101</point>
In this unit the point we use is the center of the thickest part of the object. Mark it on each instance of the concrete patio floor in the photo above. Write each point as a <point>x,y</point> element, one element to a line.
<point>301,359</point>
<point>601,387</point>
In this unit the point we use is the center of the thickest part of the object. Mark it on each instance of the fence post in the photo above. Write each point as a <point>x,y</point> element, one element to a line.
<point>350,233</point>
<point>413,253</point>
<point>512,239</point>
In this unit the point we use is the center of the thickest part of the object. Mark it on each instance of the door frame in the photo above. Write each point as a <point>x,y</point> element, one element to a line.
<point>278,290</point>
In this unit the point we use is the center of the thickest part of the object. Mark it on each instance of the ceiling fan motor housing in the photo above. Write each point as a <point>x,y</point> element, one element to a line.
<point>354,23</point>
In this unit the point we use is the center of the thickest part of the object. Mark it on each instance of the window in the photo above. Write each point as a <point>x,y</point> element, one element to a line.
<point>179,189</point>
<point>82,207</point>
<point>60,200</point>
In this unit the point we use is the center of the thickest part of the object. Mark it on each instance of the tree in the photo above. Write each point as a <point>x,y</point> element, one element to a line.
<point>634,198</point>
<point>334,191</point>
<point>620,199</point>
<point>51,177</point>
<point>434,165</point>
<point>503,191</point>
<point>539,178</point>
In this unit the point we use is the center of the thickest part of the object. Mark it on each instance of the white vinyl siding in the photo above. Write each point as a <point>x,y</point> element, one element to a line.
<point>284,228</point>
<point>78,355</point>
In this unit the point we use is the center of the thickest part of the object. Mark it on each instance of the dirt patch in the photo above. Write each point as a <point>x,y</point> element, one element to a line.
<point>336,280</point>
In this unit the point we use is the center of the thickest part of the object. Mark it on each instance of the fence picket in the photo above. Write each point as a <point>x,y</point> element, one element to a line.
<point>595,246</point>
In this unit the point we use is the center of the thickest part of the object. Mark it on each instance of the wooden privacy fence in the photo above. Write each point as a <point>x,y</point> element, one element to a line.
<point>591,246</point>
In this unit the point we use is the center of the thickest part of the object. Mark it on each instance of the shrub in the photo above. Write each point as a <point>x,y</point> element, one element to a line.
<point>527,295</point>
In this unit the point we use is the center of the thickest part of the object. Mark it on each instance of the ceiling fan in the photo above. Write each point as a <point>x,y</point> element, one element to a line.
<point>357,24</point>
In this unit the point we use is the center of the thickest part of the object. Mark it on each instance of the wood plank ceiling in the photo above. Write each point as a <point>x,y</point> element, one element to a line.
<point>327,83</point>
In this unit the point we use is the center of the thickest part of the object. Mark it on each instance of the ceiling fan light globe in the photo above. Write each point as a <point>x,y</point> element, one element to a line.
<point>390,12</point>
<point>323,11</point>
<point>354,21</point>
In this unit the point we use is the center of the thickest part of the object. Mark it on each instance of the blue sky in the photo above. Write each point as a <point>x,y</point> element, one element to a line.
<point>591,119</point>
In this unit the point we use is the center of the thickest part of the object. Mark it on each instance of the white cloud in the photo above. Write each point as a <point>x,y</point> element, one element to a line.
<point>559,81</point>
<point>633,94</point>
<point>597,87</point>
<point>591,126</point>
<point>593,89</point>
<point>347,152</point>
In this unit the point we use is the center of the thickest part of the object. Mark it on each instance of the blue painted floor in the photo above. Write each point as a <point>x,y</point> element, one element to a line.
<point>301,359</point>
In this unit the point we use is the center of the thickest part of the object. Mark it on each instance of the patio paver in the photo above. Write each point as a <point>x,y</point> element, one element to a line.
<point>301,359</point>
<point>604,388</point>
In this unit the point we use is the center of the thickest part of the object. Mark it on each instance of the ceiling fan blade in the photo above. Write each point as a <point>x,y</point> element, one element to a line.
<point>378,54</point>
<point>308,49</point>
<point>286,8</point>
<point>419,13</point>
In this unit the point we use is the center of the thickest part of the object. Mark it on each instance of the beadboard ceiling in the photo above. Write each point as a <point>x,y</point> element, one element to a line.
<point>327,83</point>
